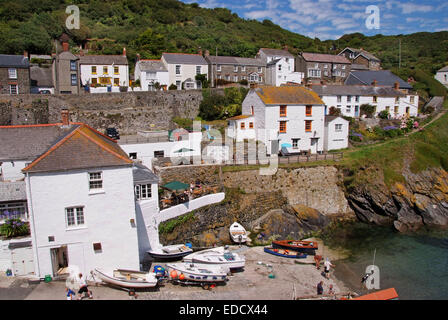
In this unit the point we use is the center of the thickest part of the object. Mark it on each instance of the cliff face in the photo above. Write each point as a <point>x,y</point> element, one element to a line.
<point>420,200</point>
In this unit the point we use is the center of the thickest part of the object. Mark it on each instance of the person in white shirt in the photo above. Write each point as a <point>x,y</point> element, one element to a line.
<point>83,287</point>
<point>327,265</point>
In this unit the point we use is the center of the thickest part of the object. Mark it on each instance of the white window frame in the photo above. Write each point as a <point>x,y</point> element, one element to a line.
<point>235,68</point>
<point>338,127</point>
<point>259,70</point>
<point>12,73</point>
<point>295,143</point>
<point>235,78</point>
<point>96,181</point>
<point>198,70</point>
<point>143,191</point>
<point>348,109</point>
<point>179,84</point>
<point>73,79</point>
<point>218,67</point>
<point>76,218</point>
<point>243,68</point>
<point>16,89</point>
<point>178,69</point>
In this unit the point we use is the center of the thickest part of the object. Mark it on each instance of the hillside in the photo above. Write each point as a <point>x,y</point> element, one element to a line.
<point>150,27</point>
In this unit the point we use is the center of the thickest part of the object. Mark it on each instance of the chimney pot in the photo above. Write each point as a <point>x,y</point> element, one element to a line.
<point>200,51</point>
<point>207,53</point>
<point>65,116</point>
<point>25,54</point>
<point>65,46</point>
<point>124,52</point>
<point>396,85</point>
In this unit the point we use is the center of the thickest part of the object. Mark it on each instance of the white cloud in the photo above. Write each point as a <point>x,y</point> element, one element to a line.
<point>407,8</point>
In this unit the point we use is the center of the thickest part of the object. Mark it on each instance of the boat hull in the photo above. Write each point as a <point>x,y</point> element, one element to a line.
<point>307,247</point>
<point>168,256</point>
<point>108,278</point>
<point>282,253</point>
<point>215,275</point>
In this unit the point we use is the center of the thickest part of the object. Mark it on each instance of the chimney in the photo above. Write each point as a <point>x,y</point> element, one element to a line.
<point>25,54</point>
<point>65,46</point>
<point>207,53</point>
<point>374,83</point>
<point>138,57</point>
<point>65,116</point>
<point>285,47</point>
<point>200,51</point>
<point>81,53</point>
<point>124,52</point>
<point>396,85</point>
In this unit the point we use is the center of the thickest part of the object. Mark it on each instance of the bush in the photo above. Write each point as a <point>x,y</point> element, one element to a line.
<point>383,114</point>
<point>14,228</point>
<point>335,111</point>
<point>244,82</point>
<point>212,107</point>
<point>368,110</point>
<point>172,87</point>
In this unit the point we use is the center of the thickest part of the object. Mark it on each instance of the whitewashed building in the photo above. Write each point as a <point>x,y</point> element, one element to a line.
<point>183,69</point>
<point>336,133</point>
<point>110,71</point>
<point>349,99</point>
<point>150,73</point>
<point>280,67</point>
<point>241,127</point>
<point>442,76</point>
<point>290,117</point>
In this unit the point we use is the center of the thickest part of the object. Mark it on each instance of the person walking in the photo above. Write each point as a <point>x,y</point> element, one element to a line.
<point>83,287</point>
<point>317,259</point>
<point>320,288</point>
<point>327,266</point>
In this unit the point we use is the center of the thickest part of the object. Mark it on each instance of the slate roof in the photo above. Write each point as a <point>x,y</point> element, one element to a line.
<point>359,67</point>
<point>143,174</point>
<point>240,117</point>
<point>55,147</point>
<point>235,61</point>
<point>276,52</point>
<point>12,191</point>
<point>14,61</point>
<point>152,65</point>
<point>321,57</point>
<point>331,118</point>
<point>365,53</point>
<point>184,58</point>
<point>383,78</point>
<point>444,69</point>
<point>103,59</point>
<point>356,90</point>
<point>288,95</point>
<point>42,77</point>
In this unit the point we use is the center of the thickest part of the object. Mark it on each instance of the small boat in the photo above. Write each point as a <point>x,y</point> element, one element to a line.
<point>197,272</point>
<point>386,294</point>
<point>238,233</point>
<point>285,253</point>
<point>217,256</point>
<point>175,251</point>
<point>128,278</point>
<point>308,247</point>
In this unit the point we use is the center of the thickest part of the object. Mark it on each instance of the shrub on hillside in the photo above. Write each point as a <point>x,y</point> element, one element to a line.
<point>172,87</point>
<point>368,110</point>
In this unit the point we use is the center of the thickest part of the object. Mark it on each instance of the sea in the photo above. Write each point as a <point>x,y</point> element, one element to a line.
<point>415,265</point>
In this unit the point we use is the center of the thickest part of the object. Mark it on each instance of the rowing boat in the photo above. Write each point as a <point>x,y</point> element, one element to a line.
<point>285,253</point>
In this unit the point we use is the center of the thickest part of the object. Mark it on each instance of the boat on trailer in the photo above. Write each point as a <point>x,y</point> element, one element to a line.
<point>128,278</point>
<point>308,247</point>
<point>217,256</point>
<point>197,272</point>
<point>285,253</point>
<point>175,251</point>
<point>238,233</point>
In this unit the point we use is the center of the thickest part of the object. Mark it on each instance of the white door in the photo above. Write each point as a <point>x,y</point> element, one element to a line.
<point>22,261</point>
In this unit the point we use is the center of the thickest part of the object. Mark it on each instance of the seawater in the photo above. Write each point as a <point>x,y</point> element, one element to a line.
<point>415,265</point>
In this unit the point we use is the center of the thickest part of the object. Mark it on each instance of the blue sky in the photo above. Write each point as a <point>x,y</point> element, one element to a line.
<point>330,19</point>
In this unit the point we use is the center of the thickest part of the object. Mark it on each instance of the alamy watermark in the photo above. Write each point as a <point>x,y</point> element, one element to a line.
<point>72,21</point>
<point>373,20</point>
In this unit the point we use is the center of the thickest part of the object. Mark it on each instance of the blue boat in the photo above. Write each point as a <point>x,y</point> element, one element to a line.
<point>285,253</point>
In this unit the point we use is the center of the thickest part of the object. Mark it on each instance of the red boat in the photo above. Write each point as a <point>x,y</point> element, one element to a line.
<point>387,294</point>
<point>308,247</point>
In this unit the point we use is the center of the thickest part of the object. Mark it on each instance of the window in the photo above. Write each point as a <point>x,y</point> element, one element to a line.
<point>159,154</point>
<point>74,79</point>
<point>93,69</point>
<point>282,127</point>
<point>143,191</point>
<point>178,85</point>
<point>279,67</point>
<point>314,73</point>
<point>151,75</point>
<point>116,82</point>
<point>14,210</point>
<point>227,77</point>
<point>397,99</point>
<point>343,67</point>
<point>235,68</point>
<point>316,66</point>
<point>116,70</point>
<point>325,66</point>
<point>73,65</point>
<point>338,127</point>
<point>348,109</point>
<point>105,70</point>
<point>259,69</point>
<point>308,111</point>
<point>235,78</point>
<point>326,73</point>
<point>94,80</point>
<point>349,98</point>
<point>13,89</point>
<point>104,80</point>
<point>412,99</point>
<point>339,98</point>
<point>243,68</point>
<point>295,143</point>
<point>387,109</point>
<point>375,99</point>
<point>357,99</point>
<point>198,69</point>
<point>308,125</point>
<point>133,155</point>
<point>407,110</point>
<point>218,67</point>
<point>177,69</point>
<point>12,73</point>
<point>242,125</point>
<point>396,109</point>
<point>95,180</point>
<point>260,79</point>
<point>74,216</point>
<point>251,125</point>
<point>282,111</point>
<point>252,110</point>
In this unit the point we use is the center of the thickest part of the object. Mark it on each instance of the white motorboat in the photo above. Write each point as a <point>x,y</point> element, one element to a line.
<point>197,272</point>
<point>175,251</point>
<point>238,233</point>
<point>128,278</point>
<point>217,256</point>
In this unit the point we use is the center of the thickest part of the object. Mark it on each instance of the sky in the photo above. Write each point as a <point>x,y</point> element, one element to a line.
<point>330,19</point>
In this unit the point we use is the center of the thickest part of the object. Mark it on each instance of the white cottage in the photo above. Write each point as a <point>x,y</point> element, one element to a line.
<point>336,133</point>
<point>280,67</point>
<point>241,127</point>
<point>150,73</point>
<point>442,76</point>
<point>290,117</point>
<point>183,69</point>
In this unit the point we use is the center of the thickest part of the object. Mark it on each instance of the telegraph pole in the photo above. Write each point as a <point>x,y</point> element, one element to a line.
<point>399,53</point>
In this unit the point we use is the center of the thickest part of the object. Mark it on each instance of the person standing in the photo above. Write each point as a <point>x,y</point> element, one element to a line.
<point>83,287</point>
<point>317,259</point>
<point>320,288</point>
<point>327,266</point>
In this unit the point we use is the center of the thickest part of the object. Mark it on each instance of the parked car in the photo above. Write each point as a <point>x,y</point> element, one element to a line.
<point>45,92</point>
<point>112,133</point>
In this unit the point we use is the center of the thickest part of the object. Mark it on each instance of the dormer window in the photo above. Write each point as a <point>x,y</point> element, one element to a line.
<point>12,73</point>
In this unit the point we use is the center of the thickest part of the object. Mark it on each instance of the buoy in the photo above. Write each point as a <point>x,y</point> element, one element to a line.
<point>173,274</point>
<point>181,276</point>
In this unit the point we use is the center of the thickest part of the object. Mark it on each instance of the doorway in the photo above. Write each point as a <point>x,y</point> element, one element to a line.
<point>59,260</point>
<point>314,142</point>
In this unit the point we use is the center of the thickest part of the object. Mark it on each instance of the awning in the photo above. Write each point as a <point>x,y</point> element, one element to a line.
<point>176,185</point>
<point>183,150</point>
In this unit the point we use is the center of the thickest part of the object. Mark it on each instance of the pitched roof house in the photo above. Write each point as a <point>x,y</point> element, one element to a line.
<point>380,77</point>
<point>150,72</point>
<point>14,74</point>
<point>327,67</point>
<point>363,57</point>
<point>442,76</point>
<point>183,68</point>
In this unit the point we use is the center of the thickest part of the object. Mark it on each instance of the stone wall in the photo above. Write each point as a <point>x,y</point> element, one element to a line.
<point>128,112</point>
